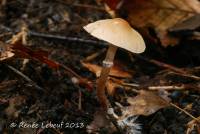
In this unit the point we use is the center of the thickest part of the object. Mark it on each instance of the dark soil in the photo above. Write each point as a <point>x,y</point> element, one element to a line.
<point>58,99</point>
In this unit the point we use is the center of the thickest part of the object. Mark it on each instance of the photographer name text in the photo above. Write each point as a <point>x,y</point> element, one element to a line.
<point>50,124</point>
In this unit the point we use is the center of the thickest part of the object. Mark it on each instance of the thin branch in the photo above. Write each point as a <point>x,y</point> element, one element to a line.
<point>94,55</point>
<point>58,37</point>
<point>163,87</point>
<point>194,118</point>
<point>167,87</point>
<point>70,71</point>
<point>177,70</point>
<point>25,77</point>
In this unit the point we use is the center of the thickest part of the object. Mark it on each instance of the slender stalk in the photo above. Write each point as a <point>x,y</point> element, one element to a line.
<point>194,118</point>
<point>101,83</point>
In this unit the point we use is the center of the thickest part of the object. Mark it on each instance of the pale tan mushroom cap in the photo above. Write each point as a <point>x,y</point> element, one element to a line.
<point>117,32</point>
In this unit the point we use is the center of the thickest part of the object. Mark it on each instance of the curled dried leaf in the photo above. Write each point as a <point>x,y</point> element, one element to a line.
<point>100,121</point>
<point>115,70</point>
<point>111,87</point>
<point>5,52</point>
<point>160,15</point>
<point>146,103</point>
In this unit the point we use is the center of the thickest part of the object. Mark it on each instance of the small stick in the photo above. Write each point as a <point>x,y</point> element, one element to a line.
<point>164,87</point>
<point>58,37</point>
<point>25,77</point>
<point>170,67</point>
<point>131,84</point>
<point>161,64</point>
<point>176,87</point>
<point>167,87</point>
<point>74,39</point>
<point>70,71</point>
<point>194,118</point>
<point>188,75</point>
<point>94,55</point>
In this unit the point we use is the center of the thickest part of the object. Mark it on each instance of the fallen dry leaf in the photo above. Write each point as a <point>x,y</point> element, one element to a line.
<point>100,121</point>
<point>160,15</point>
<point>115,70</point>
<point>40,55</point>
<point>194,5</point>
<point>146,103</point>
<point>5,52</point>
<point>11,110</point>
<point>111,87</point>
<point>190,24</point>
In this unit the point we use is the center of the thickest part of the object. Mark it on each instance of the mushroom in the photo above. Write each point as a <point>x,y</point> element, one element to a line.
<point>118,33</point>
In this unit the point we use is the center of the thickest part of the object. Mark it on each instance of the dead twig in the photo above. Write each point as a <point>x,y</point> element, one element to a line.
<point>167,87</point>
<point>161,64</point>
<point>73,39</point>
<point>25,78</point>
<point>176,70</point>
<point>94,55</point>
<point>194,118</point>
<point>164,87</point>
<point>70,71</point>
<point>58,37</point>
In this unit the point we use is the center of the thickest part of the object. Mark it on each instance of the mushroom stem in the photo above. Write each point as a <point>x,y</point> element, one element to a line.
<point>101,84</point>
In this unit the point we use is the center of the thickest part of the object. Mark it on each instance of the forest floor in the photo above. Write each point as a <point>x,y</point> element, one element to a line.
<point>34,92</point>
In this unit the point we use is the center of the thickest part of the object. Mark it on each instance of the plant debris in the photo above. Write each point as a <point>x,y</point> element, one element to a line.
<point>50,67</point>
